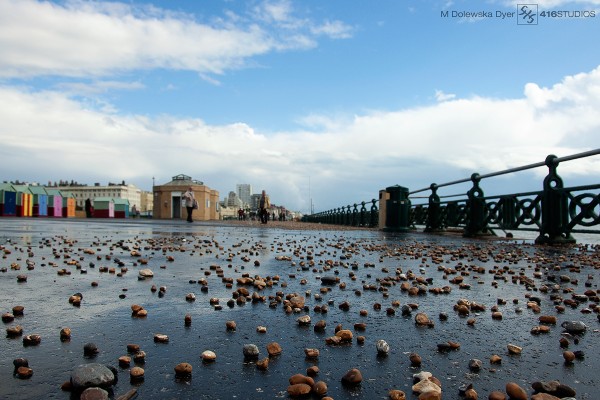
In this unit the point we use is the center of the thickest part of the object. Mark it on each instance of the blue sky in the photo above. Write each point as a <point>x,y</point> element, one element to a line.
<point>340,98</point>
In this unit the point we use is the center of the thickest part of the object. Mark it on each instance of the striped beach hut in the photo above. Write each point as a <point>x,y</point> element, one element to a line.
<point>104,207</point>
<point>40,201</point>
<point>24,201</point>
<point>54,202</point>
<point>68,204</point>
<point>121,208</point>
<point>8,200</point>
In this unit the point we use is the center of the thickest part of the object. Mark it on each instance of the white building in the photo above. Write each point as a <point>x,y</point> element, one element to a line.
<point>234,201</point>
<point>120,191</point>
<point>244,192</point>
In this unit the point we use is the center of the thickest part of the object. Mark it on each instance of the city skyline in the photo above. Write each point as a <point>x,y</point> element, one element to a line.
<point>322,104</point>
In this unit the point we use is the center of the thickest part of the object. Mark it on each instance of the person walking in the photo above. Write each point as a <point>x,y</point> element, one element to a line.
<point>88,208</point>
<point>264,204</point>
<point>189,203</point>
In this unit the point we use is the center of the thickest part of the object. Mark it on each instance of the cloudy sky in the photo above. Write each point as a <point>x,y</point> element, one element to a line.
<point>322,101</point>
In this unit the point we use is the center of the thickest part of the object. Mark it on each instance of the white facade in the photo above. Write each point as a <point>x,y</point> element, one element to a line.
<point>129,192</point>
<point>244,192</point>
<point>234,201</point>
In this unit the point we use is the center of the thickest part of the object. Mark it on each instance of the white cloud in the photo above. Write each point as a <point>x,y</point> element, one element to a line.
<point>333,29</point>
<point>441,96</point>
<point>350,158</point>
<point>82,39</point>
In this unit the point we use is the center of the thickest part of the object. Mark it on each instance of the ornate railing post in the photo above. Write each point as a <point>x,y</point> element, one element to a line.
<point>555,210</point>
<point>508,213</point>
<point>355,215</point>
<point>476,209</point>
<point>348,220</point>
<point>362,219</point>
<point>433,223</point>
<point>374,214</point>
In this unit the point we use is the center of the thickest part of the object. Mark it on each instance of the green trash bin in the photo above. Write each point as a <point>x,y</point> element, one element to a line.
<point>397,207</point>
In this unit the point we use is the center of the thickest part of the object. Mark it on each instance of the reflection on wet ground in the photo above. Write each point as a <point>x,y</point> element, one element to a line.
<point>373,265</point>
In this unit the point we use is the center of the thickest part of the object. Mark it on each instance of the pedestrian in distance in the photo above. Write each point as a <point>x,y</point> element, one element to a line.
<point>264,204</point>
<point>190,202</point>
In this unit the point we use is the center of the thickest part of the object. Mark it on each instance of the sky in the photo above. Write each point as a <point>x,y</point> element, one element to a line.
<point>320,103</point>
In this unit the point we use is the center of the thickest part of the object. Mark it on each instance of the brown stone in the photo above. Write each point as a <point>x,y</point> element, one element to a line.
<point>421,319</point>
<point>299,378</point>
<point>161,338</point>
<point>320,326</point>
<point>24,372</point>
<point>208,356</point>
<point>396,395</point>
<point>515,392</point>
<point>65,334</point>
<point>18,310</point>
<point>133,348</point>
<point>124,361</point>
<point>471,394</point>
<point>311,353</point>
<point>8,317</point>
<point>345,335</point>
<point>312,371</point>
<point>135,308</point>
<point>320,388</point>
<point>430,396</point>
<point>231,325</point>
<point>548,319</point>
<point>136,373</point>
<point>298,390</point>
<point>544,396</point>
<point>514,349</point>
<point>32,340</point>
<point>274,349</point>
<point>94,393</point>
<point>495,359</point>
<point>297,302</point>
<point>435,380</point>
<point>14,331</point>
<point>142,313</point>
<point>415,359</point>
<point>569,356</point>
<point>352,378</point>
<point>462,309</point>
<point>425,386</point>
<point>497,395</point>
<point>263,364</point>
<point>183,369</point>
<point>333,340</point>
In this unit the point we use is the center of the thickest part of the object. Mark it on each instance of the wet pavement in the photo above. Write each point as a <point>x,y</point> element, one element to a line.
<point>371,264</point>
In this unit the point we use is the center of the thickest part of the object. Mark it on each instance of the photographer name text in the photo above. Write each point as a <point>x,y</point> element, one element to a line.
<point>524,13</point>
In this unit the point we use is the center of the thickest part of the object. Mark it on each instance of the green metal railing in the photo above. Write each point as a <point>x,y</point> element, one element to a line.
<point>349,215</point>
<point>555,211</point>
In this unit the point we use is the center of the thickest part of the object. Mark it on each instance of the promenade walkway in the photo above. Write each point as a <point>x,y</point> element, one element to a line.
<point>375,285</point>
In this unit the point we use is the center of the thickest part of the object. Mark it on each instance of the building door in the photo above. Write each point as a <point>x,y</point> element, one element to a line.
<point>176,203</point>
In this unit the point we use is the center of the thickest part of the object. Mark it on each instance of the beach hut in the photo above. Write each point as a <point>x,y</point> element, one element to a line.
<point>40,201</point>
<point>121,208</point>
<point>54,202</point>
<point>104,207</point>
<point>68,205</point>
<point>24,201</point>
<point>8,200</point>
